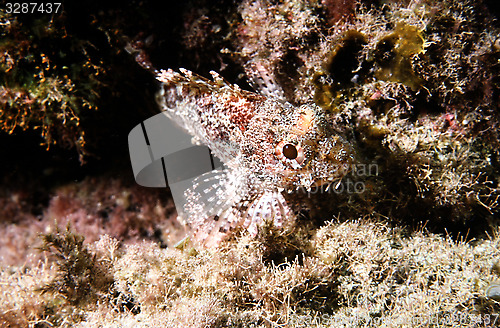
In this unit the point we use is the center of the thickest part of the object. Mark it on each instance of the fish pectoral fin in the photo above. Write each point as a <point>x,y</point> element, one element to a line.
<point>213,193</point>
<point>269,206</point>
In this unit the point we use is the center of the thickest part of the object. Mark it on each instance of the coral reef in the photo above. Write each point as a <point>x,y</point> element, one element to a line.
<point>62,76</point>
<point>94,207</point>
<point>38,73</point>
<point>352,274</point>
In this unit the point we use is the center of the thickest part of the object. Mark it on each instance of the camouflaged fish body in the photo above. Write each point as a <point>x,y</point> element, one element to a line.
<point>268,146</point>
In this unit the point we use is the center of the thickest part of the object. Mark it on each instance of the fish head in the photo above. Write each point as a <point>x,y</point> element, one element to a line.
<point>308,153</point>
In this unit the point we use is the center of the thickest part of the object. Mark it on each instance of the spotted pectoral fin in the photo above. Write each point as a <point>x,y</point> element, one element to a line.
<point>214,229</point>
<point>269,206</point>
<point>212,194</point>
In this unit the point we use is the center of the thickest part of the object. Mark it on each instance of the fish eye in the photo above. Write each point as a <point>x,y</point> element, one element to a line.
<point>289,151</point>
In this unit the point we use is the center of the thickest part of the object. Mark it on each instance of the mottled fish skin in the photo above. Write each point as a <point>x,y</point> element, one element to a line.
<point>267,145</point>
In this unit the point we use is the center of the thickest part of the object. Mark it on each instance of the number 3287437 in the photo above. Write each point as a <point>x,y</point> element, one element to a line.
<point>32,7</point>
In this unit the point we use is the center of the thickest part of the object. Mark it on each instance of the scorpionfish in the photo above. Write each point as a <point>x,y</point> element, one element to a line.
<point>267,146</point>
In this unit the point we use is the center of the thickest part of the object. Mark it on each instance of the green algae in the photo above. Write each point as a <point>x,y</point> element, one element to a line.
<point>393,55</point>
